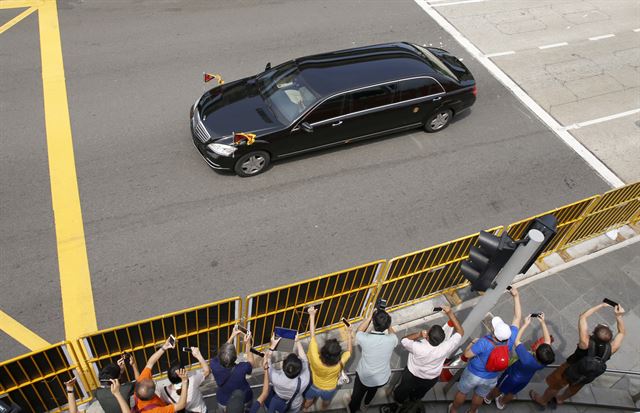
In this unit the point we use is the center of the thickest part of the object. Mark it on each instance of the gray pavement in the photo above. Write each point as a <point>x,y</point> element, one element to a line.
<point>165,233</point>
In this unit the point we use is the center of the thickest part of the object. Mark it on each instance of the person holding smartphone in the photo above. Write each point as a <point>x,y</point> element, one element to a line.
<point>374,367</point>
<point>290,381</point>
<point>114,388</point>
<point>520,373</point>
<point>171,392</point>
<point>114,372</point>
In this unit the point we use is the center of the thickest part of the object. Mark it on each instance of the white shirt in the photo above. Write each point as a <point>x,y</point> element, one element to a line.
<point>285,387</point>
<point>425,360</point>
<point>195,402</point>
<point>374,367</point>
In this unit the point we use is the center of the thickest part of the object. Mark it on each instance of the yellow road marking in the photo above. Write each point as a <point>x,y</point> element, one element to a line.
<point>75,280</point>
<point>16,19</point>
<point>21,333</point>
<point>16,4</point>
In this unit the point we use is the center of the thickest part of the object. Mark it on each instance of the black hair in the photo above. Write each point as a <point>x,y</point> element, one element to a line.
<point>381,320</point>
<point>330,353</point>
<point>172,373</point>
<point>602,334</point>
<point>436,335</point>
<point>292,366</point>
<point>109,372</point>
<point>545,354</point>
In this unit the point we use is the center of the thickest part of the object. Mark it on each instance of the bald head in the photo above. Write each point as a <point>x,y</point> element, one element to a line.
<point>145,389</point>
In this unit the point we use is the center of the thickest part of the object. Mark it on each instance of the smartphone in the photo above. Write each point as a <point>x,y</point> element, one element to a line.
<point>105,383</point>
<point>242,329</point>
<point>536,315</point>
<point>256,352</point>
<point>509,288</point>
<point>172,340</point>
<point>381,304</point>
<point>186,349</point>
<point>126,356</point>
<point>437,309</point>
<point>610,302</point>
<point>285,333</point>
<point>346,323</point>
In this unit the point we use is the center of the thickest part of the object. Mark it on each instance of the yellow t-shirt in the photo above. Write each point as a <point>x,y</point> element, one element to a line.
<point>324,377</point>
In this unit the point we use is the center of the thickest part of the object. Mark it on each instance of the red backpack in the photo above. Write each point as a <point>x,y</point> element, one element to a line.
<point>498,360</point>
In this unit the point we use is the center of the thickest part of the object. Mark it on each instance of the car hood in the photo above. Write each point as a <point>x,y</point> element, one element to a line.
<point>236,107</point>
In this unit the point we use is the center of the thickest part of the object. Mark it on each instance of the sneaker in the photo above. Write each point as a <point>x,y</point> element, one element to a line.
<point>486,401</point>
<point>499,404</point>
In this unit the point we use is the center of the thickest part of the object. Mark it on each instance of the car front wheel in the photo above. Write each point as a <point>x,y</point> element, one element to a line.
<point>438,120</point>
<point>252,163</point>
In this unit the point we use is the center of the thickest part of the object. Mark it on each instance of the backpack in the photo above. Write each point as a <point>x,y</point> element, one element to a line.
<point>590,367</point>
<point>498,359</point>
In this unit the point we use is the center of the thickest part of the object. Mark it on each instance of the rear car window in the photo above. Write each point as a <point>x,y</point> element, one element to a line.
<point>370,98</point>
<point>417,88</point>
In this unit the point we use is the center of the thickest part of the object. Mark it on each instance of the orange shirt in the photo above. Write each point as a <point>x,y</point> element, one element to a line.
<point>162,406</point>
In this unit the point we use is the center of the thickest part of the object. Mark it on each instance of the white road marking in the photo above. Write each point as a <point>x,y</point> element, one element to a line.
<point>549,46</point>
<point>636,30</point>
<point>545,117</point>
<point>499,53</point>
<point>604,36</point>
<point>602,119</point>
<point>453,3</point>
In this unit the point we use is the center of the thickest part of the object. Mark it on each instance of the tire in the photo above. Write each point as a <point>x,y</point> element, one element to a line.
<point>438,121</point>
<point>252,163</point>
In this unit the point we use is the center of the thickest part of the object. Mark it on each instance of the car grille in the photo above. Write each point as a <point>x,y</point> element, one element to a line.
<point>199,129</point>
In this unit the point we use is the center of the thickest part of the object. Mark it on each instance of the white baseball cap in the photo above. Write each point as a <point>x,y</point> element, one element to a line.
<point>501,330</point>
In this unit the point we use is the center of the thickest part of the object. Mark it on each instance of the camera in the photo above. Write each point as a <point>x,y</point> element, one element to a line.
<point>381,304</point>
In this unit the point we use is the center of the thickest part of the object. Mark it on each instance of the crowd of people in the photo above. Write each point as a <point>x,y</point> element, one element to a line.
<point>499,366</point>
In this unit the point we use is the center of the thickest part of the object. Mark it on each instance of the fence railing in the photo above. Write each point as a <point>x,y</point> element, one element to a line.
<point>35,380</point>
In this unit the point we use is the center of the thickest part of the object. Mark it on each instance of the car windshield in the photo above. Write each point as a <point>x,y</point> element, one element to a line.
<point>286,92</point>
<point>436,63</point>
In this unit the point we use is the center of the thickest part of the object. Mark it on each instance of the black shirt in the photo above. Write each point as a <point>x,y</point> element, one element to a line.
<point>580,353</point>
<point>109,403</point>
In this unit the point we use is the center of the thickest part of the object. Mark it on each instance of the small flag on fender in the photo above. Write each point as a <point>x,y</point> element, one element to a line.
<point>239,137</point>
<point>208,77</point>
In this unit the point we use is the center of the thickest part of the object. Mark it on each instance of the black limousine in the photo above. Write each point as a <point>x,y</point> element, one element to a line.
<point>328,99</point>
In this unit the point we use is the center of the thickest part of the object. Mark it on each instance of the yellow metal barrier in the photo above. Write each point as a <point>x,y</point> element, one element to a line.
<point>35,381</point>
<point>420,275</point>
<point>612,210</point>
<point>343,294</point>
<point>566,216</point>
<point>206,327</point>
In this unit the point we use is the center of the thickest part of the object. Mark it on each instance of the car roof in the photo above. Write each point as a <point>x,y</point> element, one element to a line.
<point>332,72</point>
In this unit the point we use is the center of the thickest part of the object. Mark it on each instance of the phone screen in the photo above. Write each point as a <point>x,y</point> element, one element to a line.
<point>610,302</point>
<point>509,288</point>
<point>436,309</point>
<point>346,323</point>
<point>536,315</point>
<point>285,333</point>
<point>172,340</point>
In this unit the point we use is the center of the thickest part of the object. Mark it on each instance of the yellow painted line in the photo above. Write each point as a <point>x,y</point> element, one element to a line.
<point>75,280</point>
<point>21,333</point>
<point>17,19</point>
<point>16,4</point>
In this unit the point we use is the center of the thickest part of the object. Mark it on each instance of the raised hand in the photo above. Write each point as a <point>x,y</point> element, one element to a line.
<point>115,386</point>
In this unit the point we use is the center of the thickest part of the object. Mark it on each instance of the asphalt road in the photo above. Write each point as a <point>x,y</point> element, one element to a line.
<point>164,232</point>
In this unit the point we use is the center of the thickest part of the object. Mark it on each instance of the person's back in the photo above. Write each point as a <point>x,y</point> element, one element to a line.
<point>480,365</point>
<point>377,347</point>
<point>290,382</point>
<point>230,376</point>
<point>171,392</point>
<point>103,394</point>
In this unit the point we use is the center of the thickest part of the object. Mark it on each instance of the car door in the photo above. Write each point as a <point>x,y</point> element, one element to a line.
<point>325,119</point>
<point>367,111</point>
<point>416,99</point>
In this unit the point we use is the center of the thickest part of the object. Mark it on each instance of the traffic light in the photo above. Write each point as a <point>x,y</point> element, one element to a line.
<point>486,261</point>
<point>548,226</point>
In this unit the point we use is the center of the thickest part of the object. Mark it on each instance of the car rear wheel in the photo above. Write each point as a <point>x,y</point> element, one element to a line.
<point>252,163</point>
<point>438,120</point>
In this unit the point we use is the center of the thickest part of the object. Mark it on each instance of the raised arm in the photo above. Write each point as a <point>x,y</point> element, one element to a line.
<point>115,390</point>
<point>182,401</point>
<point>364,325</point>
<point>583,326</point>
<point>265,381</point>
<point>156,356</point>
<point>233,335</point>
<point>454,320</point>
<point>468,353</point>
<point>517,308</point>
<point>300,349</point>
<point>545,331</point>
<point>134,366</point>
<point>525,325</point>
<point>71,395</point>
<point>206,370</point>
<point>312,321</point>
<point>617,341</point>
<point>417,335</point>
<point>248,339</point>
<point>349,339</point>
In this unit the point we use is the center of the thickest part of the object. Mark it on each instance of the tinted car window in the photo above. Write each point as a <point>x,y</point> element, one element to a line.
<point>417,88</point>
<point>327,110</point>
<point>370,98</point>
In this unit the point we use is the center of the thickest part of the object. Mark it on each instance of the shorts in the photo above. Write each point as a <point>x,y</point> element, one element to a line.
<point>508,384</point>
<point>557,381</point>
<point>470,382</point>
<point>313,392</point>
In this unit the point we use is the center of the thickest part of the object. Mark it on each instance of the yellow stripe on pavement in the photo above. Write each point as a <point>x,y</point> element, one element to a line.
<point>17,19</point>
<point>20,333</point>
<point>16,4</point>
<point>75,280</point>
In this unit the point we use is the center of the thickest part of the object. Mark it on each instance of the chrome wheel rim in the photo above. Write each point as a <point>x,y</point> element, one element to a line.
<point>440,121</point>
<point>253,164</point>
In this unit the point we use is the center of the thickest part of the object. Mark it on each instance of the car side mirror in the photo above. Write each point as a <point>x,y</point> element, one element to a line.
<point>306,127</point>
<point>267,67</point>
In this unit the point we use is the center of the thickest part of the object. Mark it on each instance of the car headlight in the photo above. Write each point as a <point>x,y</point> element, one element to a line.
<point>220,149</point>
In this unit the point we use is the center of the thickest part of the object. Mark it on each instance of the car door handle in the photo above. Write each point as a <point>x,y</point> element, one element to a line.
<point>337,123</point>
<point>437,99</point>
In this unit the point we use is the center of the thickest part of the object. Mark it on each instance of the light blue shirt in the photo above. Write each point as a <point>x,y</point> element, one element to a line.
<point>374,367</point>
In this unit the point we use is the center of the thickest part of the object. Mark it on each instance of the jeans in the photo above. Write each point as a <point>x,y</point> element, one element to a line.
<point>412,387</point>
<point>361,391</point>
